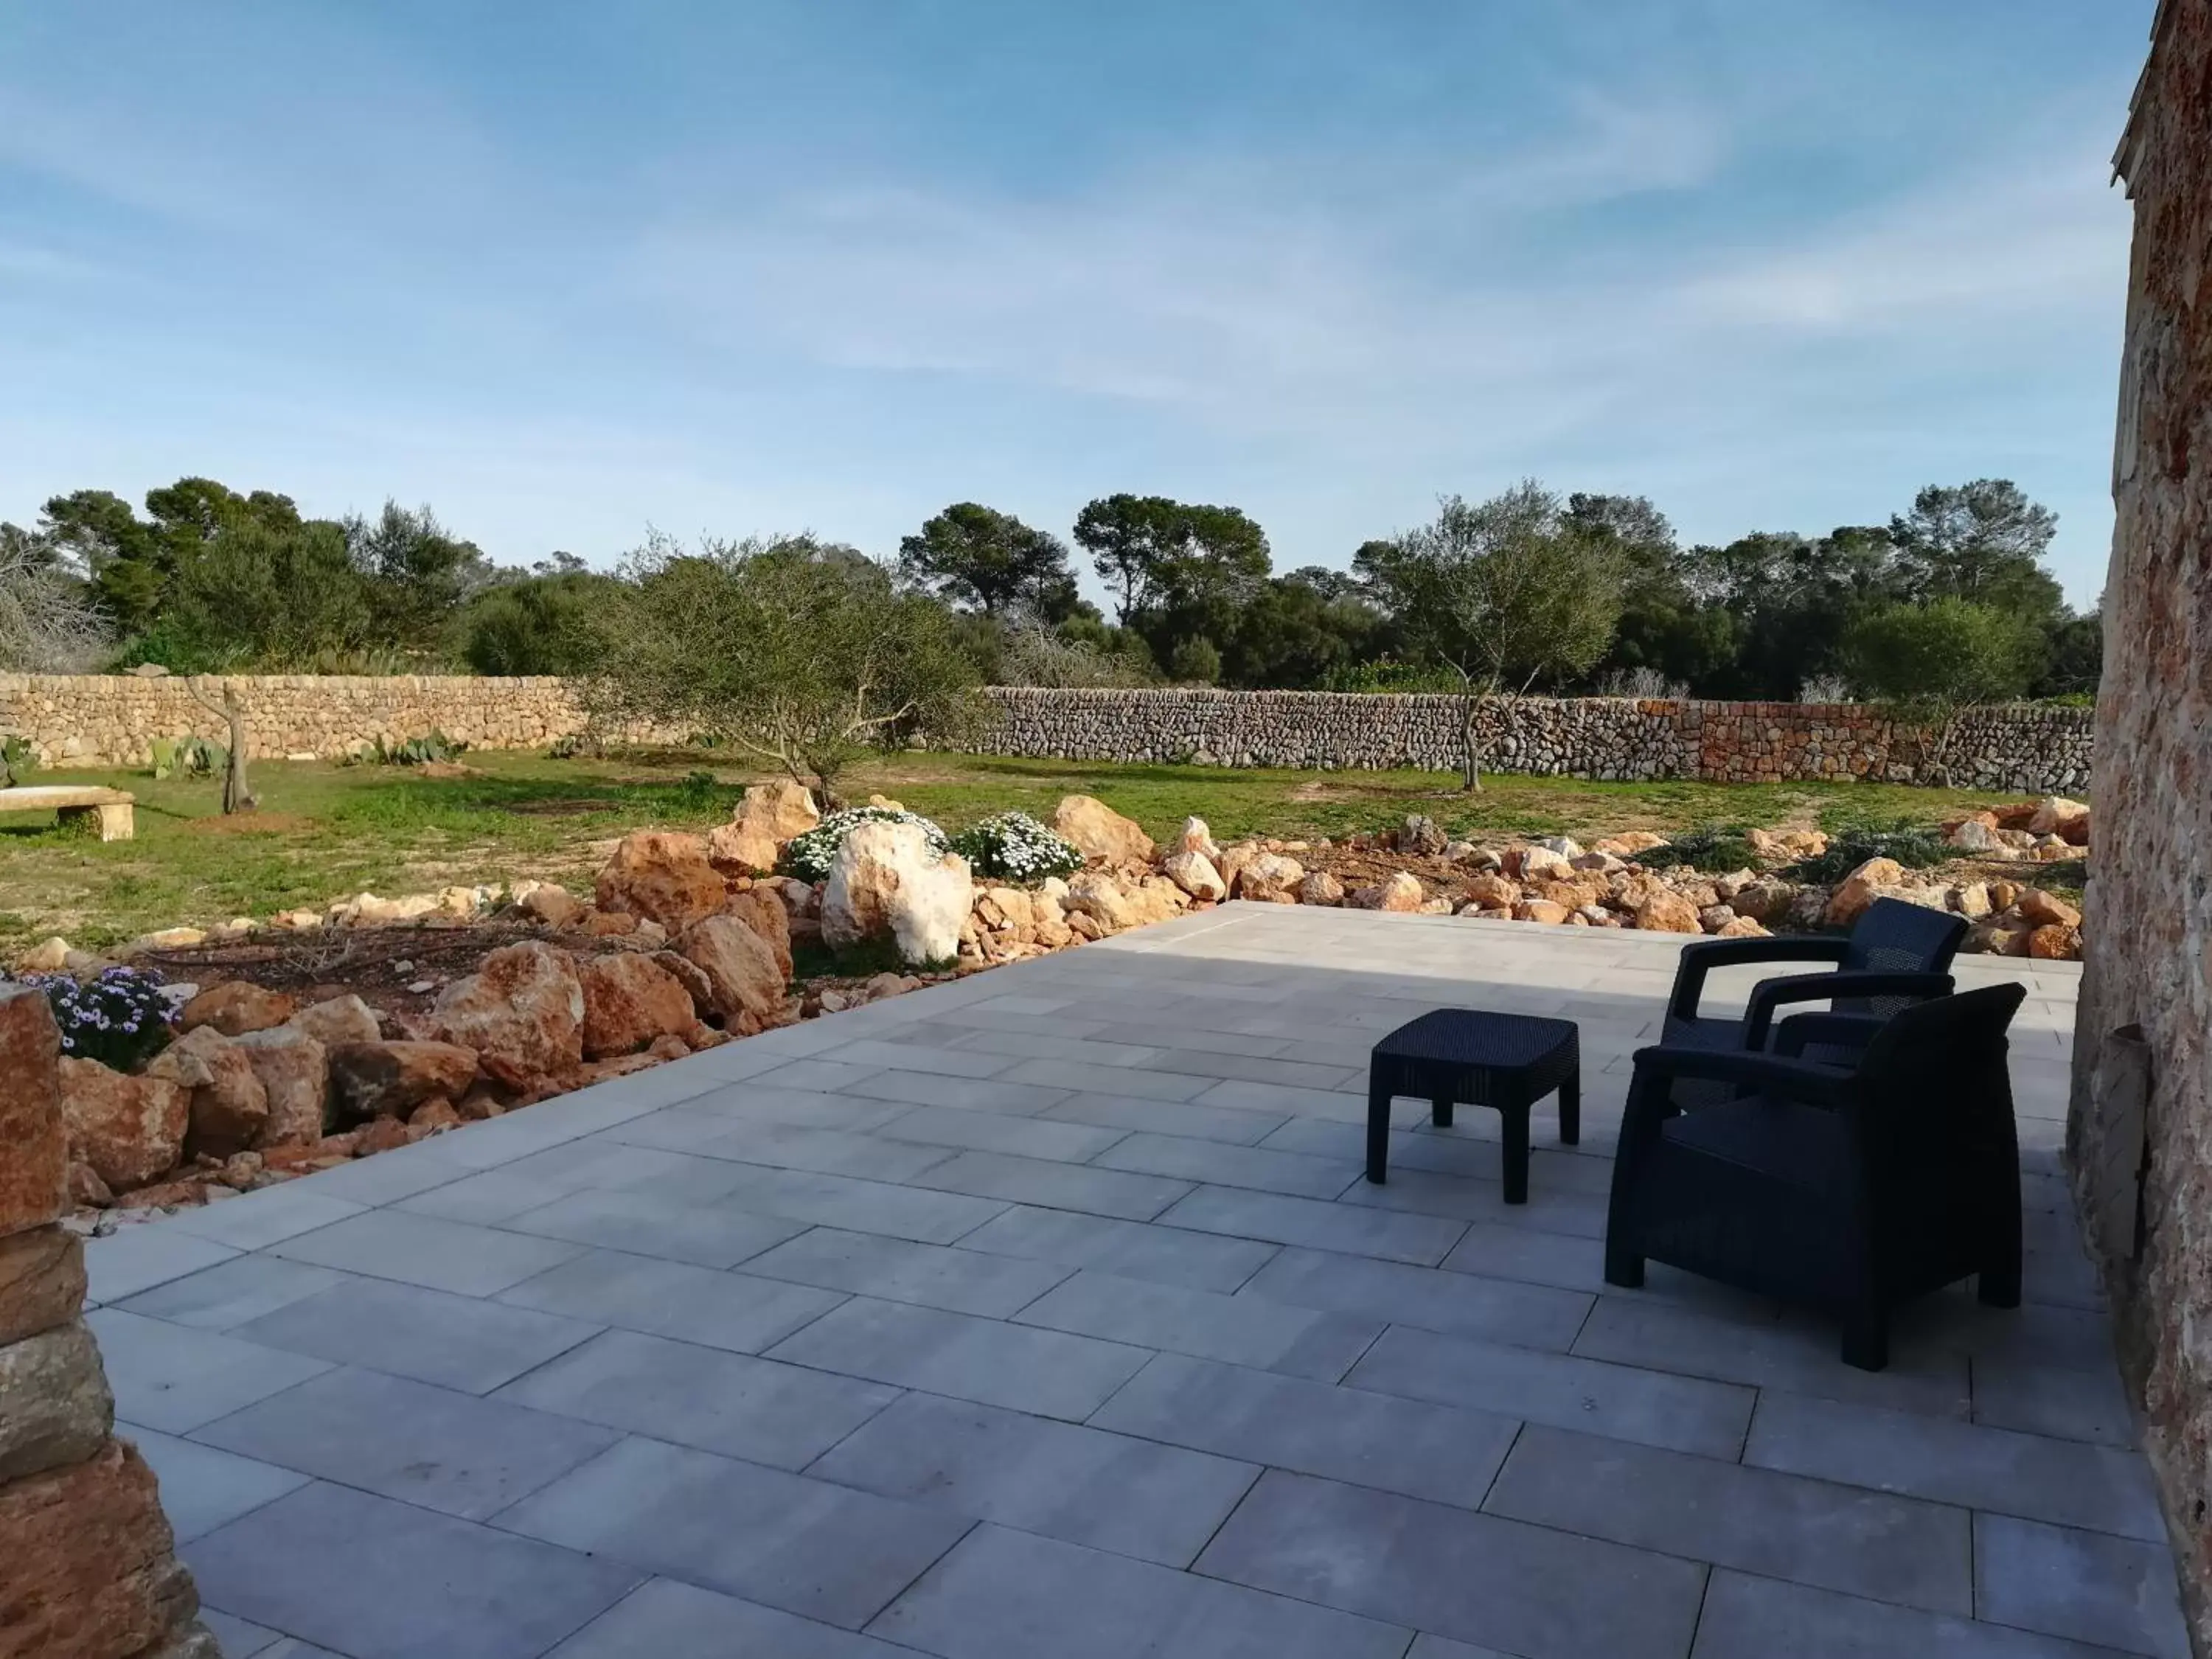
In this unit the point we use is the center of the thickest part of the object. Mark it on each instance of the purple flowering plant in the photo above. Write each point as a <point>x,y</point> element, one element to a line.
<point>118,1017</point>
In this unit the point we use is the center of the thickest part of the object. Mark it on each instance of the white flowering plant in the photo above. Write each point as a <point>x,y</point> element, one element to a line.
<point>120,1017</point>
<point>808,856</point>
<point>1015,847</point>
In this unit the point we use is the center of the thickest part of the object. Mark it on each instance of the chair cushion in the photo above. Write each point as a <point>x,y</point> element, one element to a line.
<point>1805,1147</point>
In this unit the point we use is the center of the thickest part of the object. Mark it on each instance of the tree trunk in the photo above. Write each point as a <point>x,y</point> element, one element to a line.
<point>237,797</point>
<point>1470,752</point>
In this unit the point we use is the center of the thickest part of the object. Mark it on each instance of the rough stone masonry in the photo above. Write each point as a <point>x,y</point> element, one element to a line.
<point>2147,986</point>
<point>87,1570</point>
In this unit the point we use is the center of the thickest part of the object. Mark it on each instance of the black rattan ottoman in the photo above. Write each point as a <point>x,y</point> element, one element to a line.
<point>1459,1056</point>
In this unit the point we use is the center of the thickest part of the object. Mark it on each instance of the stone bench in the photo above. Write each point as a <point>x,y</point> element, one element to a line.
<point>105,811</point>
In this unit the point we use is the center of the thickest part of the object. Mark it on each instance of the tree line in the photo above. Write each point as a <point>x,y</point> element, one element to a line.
<point>1528,591</point>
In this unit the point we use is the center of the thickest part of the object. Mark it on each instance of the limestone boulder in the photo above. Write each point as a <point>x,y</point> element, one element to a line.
<point>1998,936</point>
<point>1101,835</point>
<point>746,988</point>
<point>688,974</point>
<point>1193,872</point>
<point>765,820</point>
<point>1403,892</point>
<point>236,1007</point>
<point>1095,897</point>
<point>129,1130</point>
<point>888,879</point>
<point>1543,910</point>
<point>2055,942</point>
<point>1422,836</point>
<point>1975,836</point>
<point>550,902</point>
<point>1861,888</point>
<point>294,1072</point>
<point>1741,926</point>
<point>661,875</point>
<point>1665,911</point>
<point>1764,899</point>
<point>629,1001</point>
<point>522,1011</point>
<point>768,914</point>
<point>2040,910</point>
<point>391,1079</point>
<point>229,1108</point>
<point>1196,836</point>
<point>1541,863</point>
<point>339,1019</point>
<point>1320,887</point>
<point>2055,815</point>
<point>1270,878</point>
<point>1492,891</point>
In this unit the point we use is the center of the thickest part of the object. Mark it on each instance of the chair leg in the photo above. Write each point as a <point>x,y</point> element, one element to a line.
<point>1516,1117</point>
<point>1571,1111</point>
<point>1997,1286</point>
<point>1378,1128</point>
<point>1866,1337</point>
<point>1623,1267</point>
<point>1440,1112</point>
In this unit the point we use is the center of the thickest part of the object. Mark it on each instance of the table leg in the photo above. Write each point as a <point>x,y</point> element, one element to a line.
<point>1571,1110</point>
<point>1514,1115</point>
<point>1440,1112</point>
<point>1378,1127</point>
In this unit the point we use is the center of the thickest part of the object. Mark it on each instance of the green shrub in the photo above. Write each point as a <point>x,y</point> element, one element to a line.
<point>413,751</point>
<point>1716,849</point>
<point>1015,847</point>
<point>188,757</point>
<point>809,856</point>
<point>1914,846</point>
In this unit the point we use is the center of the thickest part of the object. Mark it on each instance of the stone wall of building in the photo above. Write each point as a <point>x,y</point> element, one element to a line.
<point>2029,749</point>
<point>88,1566</point>
<point>2141,1151</point>
<point>111,720</point>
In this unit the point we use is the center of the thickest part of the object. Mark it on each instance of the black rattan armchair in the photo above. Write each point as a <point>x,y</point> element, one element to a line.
<point>1895,955</point>
<point>1851,1190</point>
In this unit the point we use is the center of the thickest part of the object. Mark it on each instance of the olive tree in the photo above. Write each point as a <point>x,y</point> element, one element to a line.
<point>1933,663</point>
<point>1504,593</point>
<point>803,654</point>
<point>49,622</point>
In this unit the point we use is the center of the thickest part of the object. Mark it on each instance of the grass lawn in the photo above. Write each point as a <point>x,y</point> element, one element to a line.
<point>325,831</point>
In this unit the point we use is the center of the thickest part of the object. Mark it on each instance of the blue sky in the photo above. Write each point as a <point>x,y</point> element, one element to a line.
<point>566,271</point>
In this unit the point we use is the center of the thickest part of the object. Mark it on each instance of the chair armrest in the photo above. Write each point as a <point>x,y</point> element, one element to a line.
<point>1792,1034</point>
<point>1788,1079</point>
<point>1701,957</point>
<point>1770,993</point>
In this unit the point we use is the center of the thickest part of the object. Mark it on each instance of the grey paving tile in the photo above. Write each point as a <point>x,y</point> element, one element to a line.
<point>233,1291</point>
<point>1244,1330</point>
<point>252,1219</point>
<point>1076,1075</point>
<point>137,1258</point>
<point>1166,1117</point>
<point>1032,1044</point>
<point>995,1131</point>
<point>861,1207</point>
<point>375,1579</point>
<point>485,1199</point>
<point>390,1176</point>
<point>807,1109</point>
<point>424,1250</point>
<point>454,1341</point>
<point>611,1161</point>
<point>2073,1405</point>
<point>819,1076</point>
<point>1004,1593</point>
<point>646,1224</point>
<point>1458,1305</point>
<point>674,1299</point>
<point>1013,1097</point>
<point>1437,1647</point>
<point>1681,1413</point>
<point>821,1550</point>
<point>898,1056</point>
<point>1750,1618</point>
<point>447,1451</point>
<point>1797,1358</point>
<point>237,1638</point>
<point>1472,1577</point>
<point>832,1152</point>
<point>1166,1255</point>
<point>1465,1150</point>
<point>1082,1484</point>
<point>1951,1322</point>
<point>1050,1373</point>
<point>2039,1478</point>
<point>1055,1186</point>
<point>2085,1586</point>
<point>719,1401</point>
<point>1424,1240</point>
<point>203,1488</point>
<point>1346,1434</point>
<point>663,1619</point>
<point>899,1270</point>
<point>1424,1191</point>
<point>1300,1102</point>
<point>1274,1070</point>
<point>1150,1035</point>
<point>175,1378</point>
<point>1223,1165</point>
<point>1812,1532</point>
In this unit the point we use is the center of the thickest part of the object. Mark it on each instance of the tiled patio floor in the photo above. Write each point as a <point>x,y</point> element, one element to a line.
<point>1044,1315</point>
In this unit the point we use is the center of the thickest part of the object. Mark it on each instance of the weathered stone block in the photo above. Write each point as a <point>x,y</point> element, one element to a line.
<point>54,1407</point>
<point>34,1149</point>
<point>86,1568</point>
<point>41,1281</point>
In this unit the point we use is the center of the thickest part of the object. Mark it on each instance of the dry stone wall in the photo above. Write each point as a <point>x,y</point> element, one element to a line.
<point>113,720</point>
<point>88,1566</point>
<point>2029,749</point>
<point>2140,1133</point>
